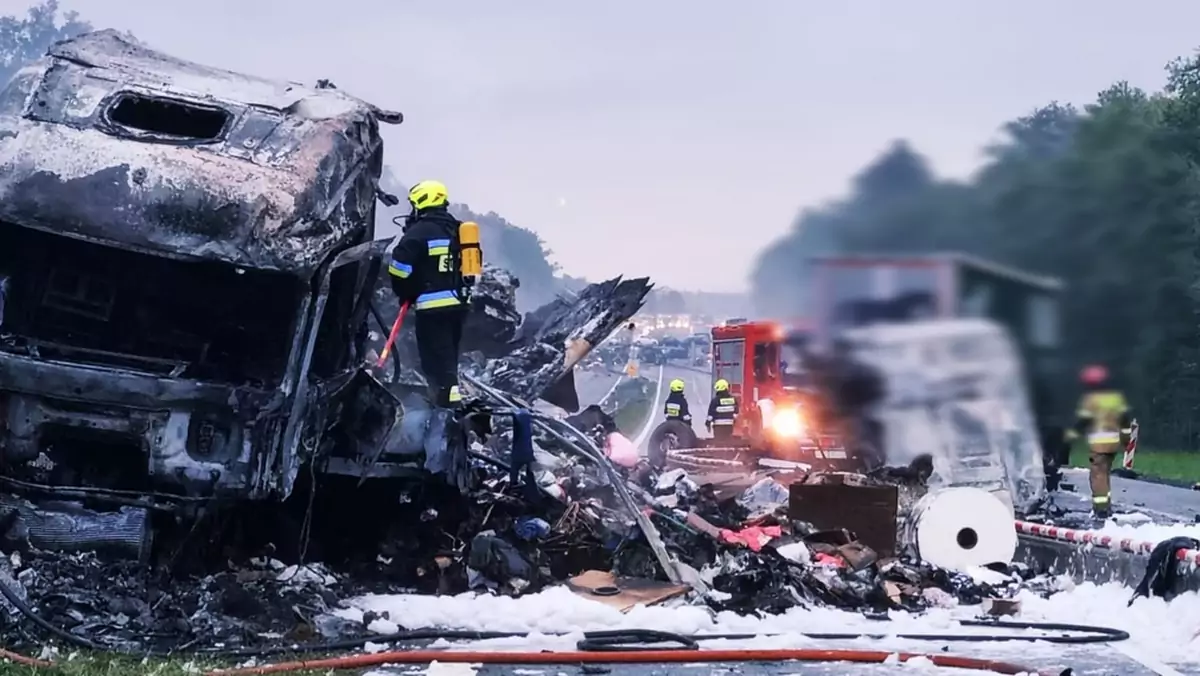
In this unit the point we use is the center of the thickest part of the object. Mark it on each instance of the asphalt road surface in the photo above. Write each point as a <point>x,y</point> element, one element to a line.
<point>1163,503</point>
<point>595,386</point>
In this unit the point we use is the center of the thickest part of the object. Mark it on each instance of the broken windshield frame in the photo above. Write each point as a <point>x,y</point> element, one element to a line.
<point>307,335</point>
<point>161,119</point>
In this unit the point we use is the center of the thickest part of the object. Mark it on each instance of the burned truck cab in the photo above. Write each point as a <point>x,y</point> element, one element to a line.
<point>186,258</point>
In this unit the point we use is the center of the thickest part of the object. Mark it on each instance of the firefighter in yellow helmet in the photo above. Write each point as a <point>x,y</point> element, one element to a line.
<point>722,411</point>
<point>426,272</point>
<point>1105,420</point>
<point>677,405</point>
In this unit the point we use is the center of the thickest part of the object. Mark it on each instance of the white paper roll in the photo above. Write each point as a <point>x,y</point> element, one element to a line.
<point>962,527</point>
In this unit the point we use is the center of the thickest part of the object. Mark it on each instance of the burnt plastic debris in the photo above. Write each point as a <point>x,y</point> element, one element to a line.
<point>1162,574</point>
<point>495,563</point>
<point>498,538</point>
<point>531,528</point>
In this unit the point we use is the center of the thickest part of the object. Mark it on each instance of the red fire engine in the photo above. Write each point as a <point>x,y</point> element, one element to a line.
<point>781,416</point>
<point>782,413</point>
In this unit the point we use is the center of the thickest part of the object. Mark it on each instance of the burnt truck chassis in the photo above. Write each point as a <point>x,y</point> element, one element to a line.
<point>183,309</point>
<point>205,439</point>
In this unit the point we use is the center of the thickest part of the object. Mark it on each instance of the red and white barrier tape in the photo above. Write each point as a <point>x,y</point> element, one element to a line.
<point>1097,539</point>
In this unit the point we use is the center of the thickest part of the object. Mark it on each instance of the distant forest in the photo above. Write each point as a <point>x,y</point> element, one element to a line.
<point>1105,197</point>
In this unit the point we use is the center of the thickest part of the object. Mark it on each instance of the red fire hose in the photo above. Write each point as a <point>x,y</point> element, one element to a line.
<point>387,347</point>
<point>621,657</point>
<point>23,660</point>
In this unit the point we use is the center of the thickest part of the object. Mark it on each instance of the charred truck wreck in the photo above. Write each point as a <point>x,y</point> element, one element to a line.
<point>188,280</point>
<point>186,259</point>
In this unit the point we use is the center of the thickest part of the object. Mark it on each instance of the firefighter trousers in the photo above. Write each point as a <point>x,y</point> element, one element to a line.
<point>1100,462</point>
<point>439,335</point>
<point>722,431</point>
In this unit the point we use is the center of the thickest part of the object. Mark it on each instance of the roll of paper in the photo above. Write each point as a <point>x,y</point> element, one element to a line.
<point>961,528</point>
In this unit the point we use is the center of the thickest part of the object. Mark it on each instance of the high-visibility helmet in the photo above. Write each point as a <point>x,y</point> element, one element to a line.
<point>1094,375</point>
<point>721,385</point>
<point>677,385</point>
<point>428,194</point>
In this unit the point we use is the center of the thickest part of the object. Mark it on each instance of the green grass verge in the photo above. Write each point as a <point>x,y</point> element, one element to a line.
<point>88,664</point>
<point>632,416</point>
<point>83,664</point>
<point>631,403</point>
<point>1177,466</point>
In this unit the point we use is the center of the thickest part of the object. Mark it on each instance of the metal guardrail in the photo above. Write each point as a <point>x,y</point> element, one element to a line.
<point>1097,539</point>
<point>1090,556</point>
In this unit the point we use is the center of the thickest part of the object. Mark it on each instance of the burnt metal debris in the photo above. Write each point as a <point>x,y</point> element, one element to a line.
<point>192,419</point>
<point>246,361</point>
<point>212,341</point>
<point>736,548</point>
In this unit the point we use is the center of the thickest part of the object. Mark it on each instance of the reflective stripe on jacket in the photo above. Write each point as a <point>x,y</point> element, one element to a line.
<point>426,264</point>
<point>677,407</point>
<point>723,409</point>
<point>1103,416</point>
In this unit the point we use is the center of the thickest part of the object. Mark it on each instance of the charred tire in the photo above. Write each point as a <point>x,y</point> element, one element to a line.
<point>670,434</point>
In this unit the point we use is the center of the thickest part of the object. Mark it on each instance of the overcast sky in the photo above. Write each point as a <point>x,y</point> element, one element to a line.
<point>673,138</point>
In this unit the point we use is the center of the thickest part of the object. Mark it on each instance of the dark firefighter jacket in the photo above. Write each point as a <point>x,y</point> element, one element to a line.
<point>723,409</point>
<point>1105,420</point>
<point>677,407</point>
<point>426,263</point>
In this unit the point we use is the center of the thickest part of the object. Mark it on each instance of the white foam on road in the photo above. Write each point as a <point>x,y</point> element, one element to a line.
<point>1149,532</point>
<point>649,424</point>
<point>1170,632</point>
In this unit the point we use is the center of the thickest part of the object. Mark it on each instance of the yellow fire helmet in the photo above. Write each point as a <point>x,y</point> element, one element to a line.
<point>428,194</point>
<point>721,385</point>
<point>677,385</point>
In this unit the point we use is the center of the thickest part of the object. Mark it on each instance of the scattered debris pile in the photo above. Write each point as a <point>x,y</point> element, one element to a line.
<point>293,453</point>
<point>555,337</point>
<point>758,557</point>
<point>124,606</point>
<point>560,520</point>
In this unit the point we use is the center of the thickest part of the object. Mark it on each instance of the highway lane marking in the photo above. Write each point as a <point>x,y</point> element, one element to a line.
<point>649,424</point>
<point>610,390</point>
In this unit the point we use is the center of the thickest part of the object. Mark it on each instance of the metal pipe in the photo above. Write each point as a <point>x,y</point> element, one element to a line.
<point>596,455</point>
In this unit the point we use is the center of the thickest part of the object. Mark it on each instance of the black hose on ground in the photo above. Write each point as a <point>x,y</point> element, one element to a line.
<point>626,640</point>
<point>609,640</point>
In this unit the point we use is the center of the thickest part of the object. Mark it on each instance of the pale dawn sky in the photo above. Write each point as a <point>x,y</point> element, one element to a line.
<point>672,138</point>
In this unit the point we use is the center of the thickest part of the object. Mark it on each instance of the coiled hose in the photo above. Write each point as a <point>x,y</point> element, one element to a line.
<point>642,646</point>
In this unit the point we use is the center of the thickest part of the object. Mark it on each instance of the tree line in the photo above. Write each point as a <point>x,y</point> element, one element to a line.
<point>519,250</point>
<point>1105,197</point>
<point>25,39</point>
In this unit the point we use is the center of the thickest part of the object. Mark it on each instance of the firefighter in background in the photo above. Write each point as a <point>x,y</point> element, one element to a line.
<point>677,406</point>
<point>1104,419</point>
<point>722,411</point>
<point>427,273</point>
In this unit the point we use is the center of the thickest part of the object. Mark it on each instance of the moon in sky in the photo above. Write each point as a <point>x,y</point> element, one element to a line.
<point>562,201</point>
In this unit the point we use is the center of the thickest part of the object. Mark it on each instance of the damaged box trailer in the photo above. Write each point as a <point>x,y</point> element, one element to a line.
<point>186,267</point>
<point>954,389</point>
